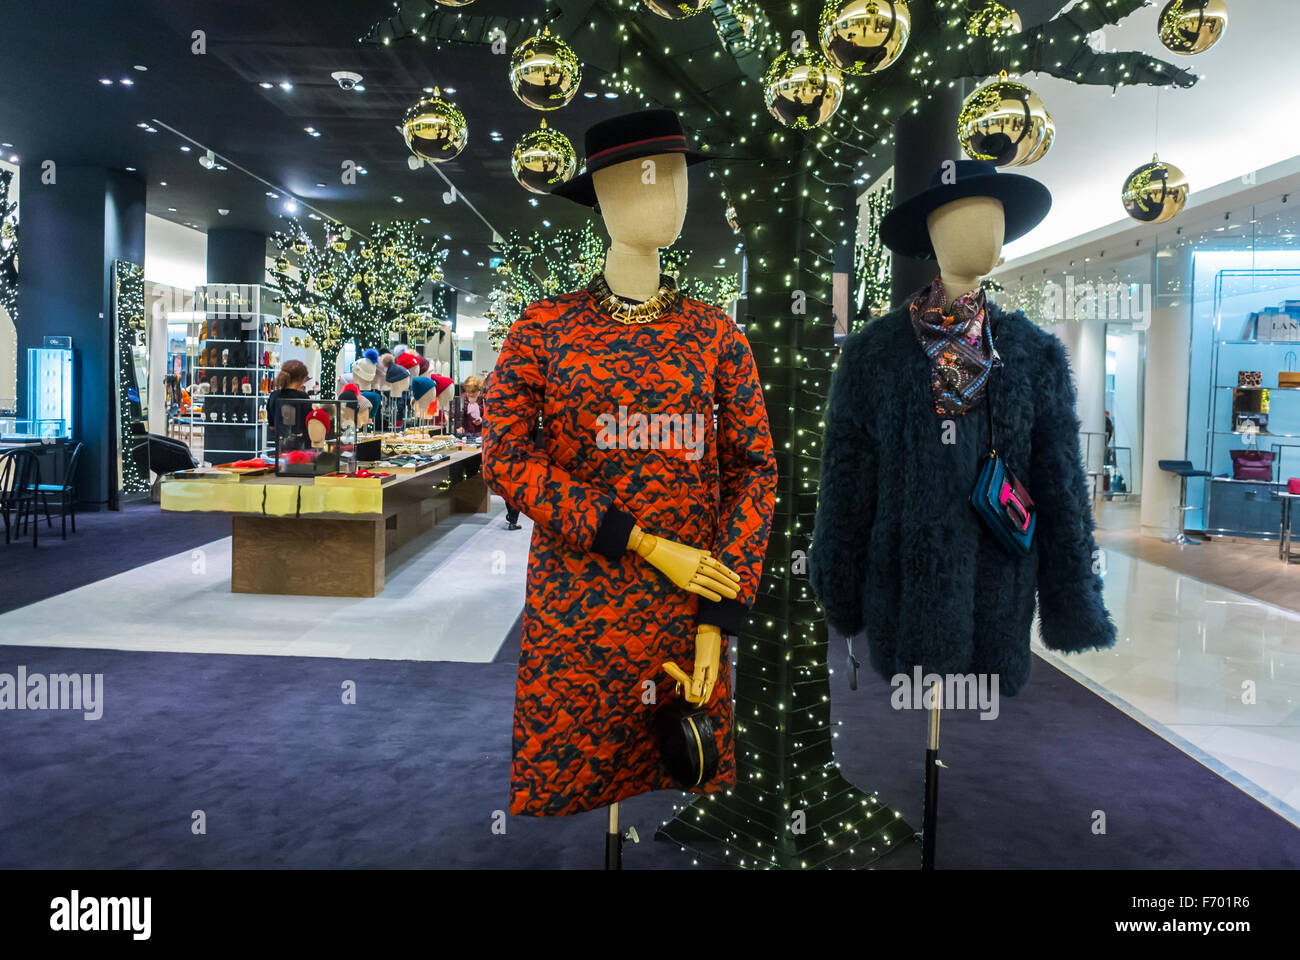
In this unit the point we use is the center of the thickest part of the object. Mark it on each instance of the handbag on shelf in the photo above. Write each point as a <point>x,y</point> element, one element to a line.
<point>999,499</point>
<point>1252,464</point>
<point>1289,379</point>
<point>1250,378</point>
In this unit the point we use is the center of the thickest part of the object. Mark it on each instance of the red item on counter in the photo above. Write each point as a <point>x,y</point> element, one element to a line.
<point>257,463</point>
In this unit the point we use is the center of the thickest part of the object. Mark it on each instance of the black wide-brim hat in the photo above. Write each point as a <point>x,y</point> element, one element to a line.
<point>628,137</point>
<point>1025,203</point>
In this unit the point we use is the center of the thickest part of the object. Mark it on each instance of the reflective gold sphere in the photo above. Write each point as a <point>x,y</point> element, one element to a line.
<point>543,159</point>
<point>1155,192</point>
<point>994,20</point>
<point>676,11</point>
<point>864,36</point>
<point>1005,123</point>
<point>300,246</point>
<point>545,73</point>
<point>1188,27</point>
<point>802,90</point>
<point>436,274</point>
<point>435,130</point>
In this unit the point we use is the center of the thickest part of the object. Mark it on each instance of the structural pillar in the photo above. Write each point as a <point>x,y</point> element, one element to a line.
<point>76,222</point>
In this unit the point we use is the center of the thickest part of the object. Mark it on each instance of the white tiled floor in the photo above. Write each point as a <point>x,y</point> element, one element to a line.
<point>1215,672</point>
<point>454,598</point>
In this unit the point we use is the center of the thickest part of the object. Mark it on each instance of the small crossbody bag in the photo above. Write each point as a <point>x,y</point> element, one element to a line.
<point>1001,500</point>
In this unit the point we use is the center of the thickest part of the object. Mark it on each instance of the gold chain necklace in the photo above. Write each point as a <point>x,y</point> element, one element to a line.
<point>629,311</point>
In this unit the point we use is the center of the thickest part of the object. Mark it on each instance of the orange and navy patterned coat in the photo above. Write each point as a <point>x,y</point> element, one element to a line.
<point>599,622</point>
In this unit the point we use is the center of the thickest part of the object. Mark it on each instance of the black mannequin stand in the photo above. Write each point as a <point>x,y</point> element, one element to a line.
<point>930,817</point>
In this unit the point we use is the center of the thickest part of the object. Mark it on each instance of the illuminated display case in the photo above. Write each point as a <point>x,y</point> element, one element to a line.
<point>49,387</point>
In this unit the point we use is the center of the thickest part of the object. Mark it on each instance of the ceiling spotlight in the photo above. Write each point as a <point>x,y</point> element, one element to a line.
<point>532,201</point>
<point>208,160</point>
<point>414,162</point>
<point>265,85</point>
<point>399,199</point>
<point>611,95</point>
<point>449,196</point>
<point>142,125</point>
<point>171,209</point>
<point>223,211</point>
<point>141,67</point>
<point>286,86</point>
<point>127,82</point>
<point>105,81</point>
<point>448,89</point>
<point>130,169</point>
<point>590,94</point>
<point>13,158</point>
<point>184,148</point>
<point>290,206</point>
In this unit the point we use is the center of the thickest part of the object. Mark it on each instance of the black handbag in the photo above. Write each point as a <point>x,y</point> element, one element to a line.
<point>687,746</point>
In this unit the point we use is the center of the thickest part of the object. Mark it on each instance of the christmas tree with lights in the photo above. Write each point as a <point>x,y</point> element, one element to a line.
<point>359,288</point>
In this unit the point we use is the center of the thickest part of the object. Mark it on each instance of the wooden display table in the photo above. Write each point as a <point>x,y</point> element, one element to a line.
<point>328,537</point>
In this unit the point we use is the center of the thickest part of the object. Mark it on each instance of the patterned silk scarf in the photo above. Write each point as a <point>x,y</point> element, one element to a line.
<point>958,343</point>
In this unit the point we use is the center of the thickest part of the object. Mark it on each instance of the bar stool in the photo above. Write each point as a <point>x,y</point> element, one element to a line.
<point>1184,469</point>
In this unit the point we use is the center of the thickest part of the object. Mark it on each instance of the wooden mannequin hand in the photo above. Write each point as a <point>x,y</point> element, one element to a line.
<point>698,688</point>
<point>691,569</point>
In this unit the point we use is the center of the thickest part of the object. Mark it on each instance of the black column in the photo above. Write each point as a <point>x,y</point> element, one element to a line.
<point>923,141</point>
<point>73,229</point>
<point>236,256</point>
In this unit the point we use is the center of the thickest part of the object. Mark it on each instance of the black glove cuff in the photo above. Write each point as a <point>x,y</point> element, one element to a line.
<point>726,614</point>
<point>612,534</point>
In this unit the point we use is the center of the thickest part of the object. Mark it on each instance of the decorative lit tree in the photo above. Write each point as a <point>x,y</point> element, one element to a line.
<point>360,289</point>
<point>793,195</point>
<point>8,247</point>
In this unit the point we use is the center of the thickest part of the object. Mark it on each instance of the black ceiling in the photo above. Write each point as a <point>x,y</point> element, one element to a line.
<point>54,107</point>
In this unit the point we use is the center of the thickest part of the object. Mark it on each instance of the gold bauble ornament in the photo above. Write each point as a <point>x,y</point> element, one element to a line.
<point>543,159</point>
<point>1189,27</point>
<point>802,90</point>
<point>338,244</point>
<point>401,302</point>
<point>680,10</point>
<point>325,282</point>
<point>513,298</point>
<point>390,250</point>
<point>403,261</point>
<point>864,36</point>
<point>354,295</point>
<point>1005,123</point>
<point>282,264</point>
<point>367,254</point>
<point>1155,192</point>
<point>436,274</point>
<point>489,314</point>
<point>503,268</point>
<point>7,231</point>
<point>435,130</point>
<point>412,274</point>
<point>379,298</point>
<point>545,72</point>
<point>300,246</point>
<point>995,20</point>
<point>369,277</point>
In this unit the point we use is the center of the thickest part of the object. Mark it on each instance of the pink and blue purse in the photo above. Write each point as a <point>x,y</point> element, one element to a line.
<point>1001,500</point>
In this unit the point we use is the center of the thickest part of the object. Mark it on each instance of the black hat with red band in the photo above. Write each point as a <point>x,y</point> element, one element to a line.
<point>631,136</point>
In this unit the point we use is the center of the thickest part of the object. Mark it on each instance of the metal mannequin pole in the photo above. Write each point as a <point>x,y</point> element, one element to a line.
<point>613,841</point>
<point>932,765</point>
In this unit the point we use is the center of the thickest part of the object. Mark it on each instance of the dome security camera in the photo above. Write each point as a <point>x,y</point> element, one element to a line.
<point>346,79</point>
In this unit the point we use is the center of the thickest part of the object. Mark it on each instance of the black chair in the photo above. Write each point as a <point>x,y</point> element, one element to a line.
<point>1182,469</point>
<point>19,471</point>
<point>167,455</point>
<point>65,491</point>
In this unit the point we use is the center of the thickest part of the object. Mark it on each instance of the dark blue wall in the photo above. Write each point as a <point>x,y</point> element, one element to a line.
<point>72,231</point>
<point>236,256</point>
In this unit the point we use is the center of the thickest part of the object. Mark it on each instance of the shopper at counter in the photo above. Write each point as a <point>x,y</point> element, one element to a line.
<point>289,385</point>
<point>472,419</point>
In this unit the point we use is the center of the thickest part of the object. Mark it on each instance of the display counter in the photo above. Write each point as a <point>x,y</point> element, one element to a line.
<point>328,536</point>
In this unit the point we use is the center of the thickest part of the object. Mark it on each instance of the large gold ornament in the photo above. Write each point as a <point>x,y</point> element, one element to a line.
<point>367,253</point>
<point>378,297</point>
<point>1005,123</point>
<point>282,264</point>
<point>545,73</point>
<point>995,20</point>
<point>543,159</point>
<point>1192,26</point>
<point>802,90</point>
<point>436,274</point>
<point>339,243</point>
<point>300,246</point>
<point>864,36</point>
<point>1155,192</point>
<point>676,11</point>
<point>435,130</point>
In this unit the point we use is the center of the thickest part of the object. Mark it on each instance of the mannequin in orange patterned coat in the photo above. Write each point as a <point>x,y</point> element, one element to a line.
<point>650,517</point>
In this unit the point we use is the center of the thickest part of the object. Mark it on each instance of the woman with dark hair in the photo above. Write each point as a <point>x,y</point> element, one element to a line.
<point>288,385</point>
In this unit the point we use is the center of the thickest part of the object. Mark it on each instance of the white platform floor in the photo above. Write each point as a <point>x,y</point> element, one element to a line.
<point>454,598</point>
<point>1214,672</point>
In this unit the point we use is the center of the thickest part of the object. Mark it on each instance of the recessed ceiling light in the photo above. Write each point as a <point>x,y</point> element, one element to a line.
<point>448,89</point>
<point>185,148</point>
<point>290,206</point>
<point>105,81</point>
<point>546,223</point>
<point>320,184</point>
<point>130,169</point>
<point>162,183</point>
<point>271,194</point>
<point>360,88</point>
<point>611,95</point>
<point>171,209</point>
<point>465,253</point>
<point>127,82</point>
<point>6,145</point>
<point>446,236</point>
<point>428,89</point>
<point>286,86</point>
<point>265,85</point>
<point>142,125</point>
<point>141,67</point>
<point>591,94</point>
<point>399,199</point>
<point>532,201</point>
<point>13,158</point>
